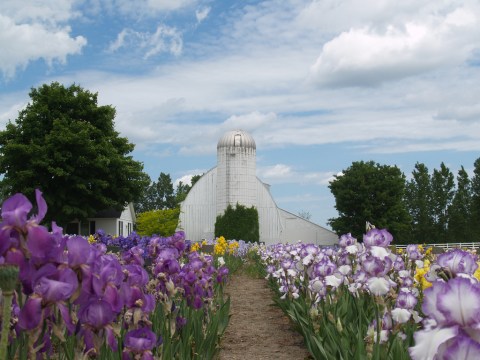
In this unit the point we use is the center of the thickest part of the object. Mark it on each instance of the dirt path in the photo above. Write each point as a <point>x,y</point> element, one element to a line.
<point>258,330</point>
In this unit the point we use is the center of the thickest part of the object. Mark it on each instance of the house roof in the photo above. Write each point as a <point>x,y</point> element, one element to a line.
<point>108,213</point>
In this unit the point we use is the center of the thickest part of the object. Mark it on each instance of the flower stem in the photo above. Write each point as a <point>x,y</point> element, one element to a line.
<point>7,311</point>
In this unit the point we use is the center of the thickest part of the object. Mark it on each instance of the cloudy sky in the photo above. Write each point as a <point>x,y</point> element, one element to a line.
<point>319,84</point>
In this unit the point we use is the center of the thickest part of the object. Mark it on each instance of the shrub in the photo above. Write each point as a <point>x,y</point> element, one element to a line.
<point>238,223</point>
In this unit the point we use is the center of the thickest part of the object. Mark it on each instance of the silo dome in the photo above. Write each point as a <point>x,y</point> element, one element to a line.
<point>236,138</point>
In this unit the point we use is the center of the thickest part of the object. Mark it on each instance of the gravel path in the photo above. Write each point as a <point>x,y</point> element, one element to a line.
<point>258,330</point>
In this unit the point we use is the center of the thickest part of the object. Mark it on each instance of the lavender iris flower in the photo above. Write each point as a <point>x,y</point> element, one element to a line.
<point>406,299</point>
<point>377,237</point>
<point>458,261</point>
<point>346,240</point>
<point>455,309</point>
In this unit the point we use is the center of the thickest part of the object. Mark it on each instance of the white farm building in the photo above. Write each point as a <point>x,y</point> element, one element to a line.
<point>234,181</point>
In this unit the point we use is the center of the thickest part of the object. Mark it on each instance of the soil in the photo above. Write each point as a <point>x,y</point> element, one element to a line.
<point>258,330</point>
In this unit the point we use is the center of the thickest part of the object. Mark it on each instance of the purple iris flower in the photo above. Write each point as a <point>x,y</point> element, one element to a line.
<point>136,275</point>
<point>324,268</point>
<point>170,266</point>
<point>460,347</point>
<point>134,255</point>
<point>140,340</point>
<point>180,322</point>
<point>376,267</point>
<point>168,253</point>
<point>31,313</point>
<point>456,301</point>
<point>458,261</point>
<point>15,210</point>
<point>406,299</point>
<point>55,284</point>
<point>44,246</point>
<point>377,237</point>
<point>399,264</point>
<point>413,252</point>
<point>455,309</point>
<point>78,251</point>
<point>346,240</point>
<point>222,273</point>
<point>197,302</point>
<point>96,314</point>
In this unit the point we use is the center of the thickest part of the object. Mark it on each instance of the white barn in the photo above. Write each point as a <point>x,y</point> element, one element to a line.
<point>234,181</point>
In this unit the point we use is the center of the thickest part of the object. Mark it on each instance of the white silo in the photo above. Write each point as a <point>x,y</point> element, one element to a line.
<point>236,179</point>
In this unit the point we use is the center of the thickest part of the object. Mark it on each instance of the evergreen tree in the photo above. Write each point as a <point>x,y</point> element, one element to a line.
<point>418,200</point>
<point>370,192</point>
<point>475,214</point>
<point>443,186</point>
<point>165,193</point>
<point>148,199</point>
<point>181,192</point>
<point>459,212</point>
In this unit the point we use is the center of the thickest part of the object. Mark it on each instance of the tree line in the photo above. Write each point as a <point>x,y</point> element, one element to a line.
<point>429,207</point>
<point>161,195</point>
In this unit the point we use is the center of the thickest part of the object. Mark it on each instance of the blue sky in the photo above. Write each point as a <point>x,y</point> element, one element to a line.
<point>319,84</point>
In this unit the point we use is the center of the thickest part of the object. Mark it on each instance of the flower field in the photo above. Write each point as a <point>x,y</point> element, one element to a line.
<point>104,297</point>
<point>363,301</point>
<point>68,297</point>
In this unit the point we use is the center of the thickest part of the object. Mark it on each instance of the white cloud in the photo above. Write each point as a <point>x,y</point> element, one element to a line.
<point>470,112</point>
<point>185,179</point>
<point>249,122</point>
<point>370,56</point>
<point>24,43</point>
<point>46,11</point>
<point>202,13</point>
<point>168,5</point>
<point>139,9</point>
<point>285,174</point>
<point>9,110</point>
<point>165,39</point>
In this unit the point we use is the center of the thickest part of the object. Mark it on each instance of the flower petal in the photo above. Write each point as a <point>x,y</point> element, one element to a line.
<point>427,342</point>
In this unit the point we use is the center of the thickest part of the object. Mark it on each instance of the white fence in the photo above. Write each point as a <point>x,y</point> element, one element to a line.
<point>448,246</point>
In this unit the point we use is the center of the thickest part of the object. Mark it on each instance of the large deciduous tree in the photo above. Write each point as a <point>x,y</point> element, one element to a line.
<point>65,144</point>
<point>367,191</point>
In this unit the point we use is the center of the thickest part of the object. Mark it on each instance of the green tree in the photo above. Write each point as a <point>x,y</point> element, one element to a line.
<point>475,215</point>
<point>165,192</point>
<point>182,189</point>
<point>148,199</point>
<point>161,195</point>
<point>240,223</point>
<point>194,180</point>
<point>158,222</point>
<point>65,144</point>
<point>443,187</point>
<point>418,200</point>
<point>459,212</point>
<point>181,192</point>
<point>370,192</point>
